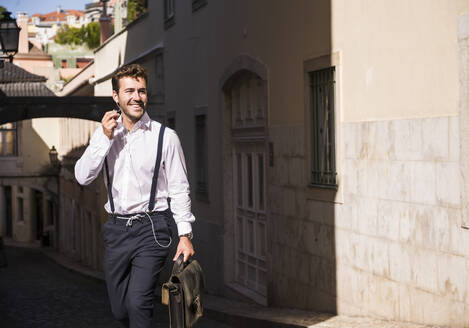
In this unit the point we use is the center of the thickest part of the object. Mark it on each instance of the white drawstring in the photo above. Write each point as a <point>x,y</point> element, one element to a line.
<point>139,217</point>
<point>131,219</point>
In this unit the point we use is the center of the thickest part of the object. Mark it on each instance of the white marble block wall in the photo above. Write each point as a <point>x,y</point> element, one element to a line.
<point>391,243</point>
<point>401,250</point>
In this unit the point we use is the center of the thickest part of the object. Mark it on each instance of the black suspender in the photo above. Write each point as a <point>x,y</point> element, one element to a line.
<point>154,182</point>
<point>109,186</point>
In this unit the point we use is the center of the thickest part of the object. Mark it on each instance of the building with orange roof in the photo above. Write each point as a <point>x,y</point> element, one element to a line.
<point>31,56</point>
<point>43,27</point>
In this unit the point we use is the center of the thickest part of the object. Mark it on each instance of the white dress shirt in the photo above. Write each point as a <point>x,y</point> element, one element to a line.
<point>131,158</point>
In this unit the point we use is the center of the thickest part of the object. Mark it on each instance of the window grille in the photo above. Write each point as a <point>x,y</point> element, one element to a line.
<point>322,91</point>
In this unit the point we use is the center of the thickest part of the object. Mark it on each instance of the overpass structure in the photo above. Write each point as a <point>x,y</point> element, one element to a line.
<point>13,109</point>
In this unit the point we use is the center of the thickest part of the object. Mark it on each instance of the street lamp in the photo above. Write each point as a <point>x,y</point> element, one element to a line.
<point>9,37</point>
<point>54,157</point>
<point>55,162</point>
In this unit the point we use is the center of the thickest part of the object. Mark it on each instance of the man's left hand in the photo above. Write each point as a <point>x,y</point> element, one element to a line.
<point>184,247</point>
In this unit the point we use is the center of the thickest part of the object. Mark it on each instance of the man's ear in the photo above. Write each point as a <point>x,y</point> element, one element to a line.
<point>115,96</point>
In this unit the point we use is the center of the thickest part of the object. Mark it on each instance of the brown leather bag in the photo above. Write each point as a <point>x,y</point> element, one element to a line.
<point>183,293</point>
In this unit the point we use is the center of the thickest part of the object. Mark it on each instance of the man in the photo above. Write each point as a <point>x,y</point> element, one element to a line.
<point>137,238</point>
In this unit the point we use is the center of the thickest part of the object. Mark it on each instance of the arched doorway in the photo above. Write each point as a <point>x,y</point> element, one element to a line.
<point>245,112</point>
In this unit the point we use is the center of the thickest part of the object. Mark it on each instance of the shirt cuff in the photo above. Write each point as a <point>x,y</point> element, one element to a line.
<point>184,228</point>
<point>103,143</point>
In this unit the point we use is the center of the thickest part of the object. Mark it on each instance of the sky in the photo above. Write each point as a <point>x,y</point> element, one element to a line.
<point>42,6</point>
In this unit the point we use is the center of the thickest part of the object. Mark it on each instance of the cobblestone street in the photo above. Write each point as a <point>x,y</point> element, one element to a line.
<point>36,292</point>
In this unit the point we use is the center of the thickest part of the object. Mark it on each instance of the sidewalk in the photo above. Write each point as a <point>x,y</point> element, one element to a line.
<point>238,314</point>
<point>14,243</point>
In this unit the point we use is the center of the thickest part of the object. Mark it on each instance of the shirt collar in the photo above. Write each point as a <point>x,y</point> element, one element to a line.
<point>143,122</point>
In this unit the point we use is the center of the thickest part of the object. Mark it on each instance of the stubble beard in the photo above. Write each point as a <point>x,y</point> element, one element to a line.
<point>131,116</point>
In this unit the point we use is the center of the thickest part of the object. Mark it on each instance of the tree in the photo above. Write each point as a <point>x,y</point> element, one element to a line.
<point>2,10</point>
<point>70,35</point>
<point>93,36</point>
<point>135,8</point>
<point>89,34</point>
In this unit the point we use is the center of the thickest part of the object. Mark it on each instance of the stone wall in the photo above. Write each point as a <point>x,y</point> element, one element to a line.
<point>81,220</point>
<point>401,250</point>
<point>27,191</point>
<point>303,267</point>
<point>389,242</point>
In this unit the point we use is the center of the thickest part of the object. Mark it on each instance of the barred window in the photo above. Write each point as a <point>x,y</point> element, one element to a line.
<point>322,92</point>
<point>8,140</point>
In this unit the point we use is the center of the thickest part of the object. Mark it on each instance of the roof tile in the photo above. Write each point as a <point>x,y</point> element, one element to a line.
<point>12,73</point>
<point>26,89</point>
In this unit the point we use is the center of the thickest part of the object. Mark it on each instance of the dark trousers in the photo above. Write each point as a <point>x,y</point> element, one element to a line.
<point>132,262</point>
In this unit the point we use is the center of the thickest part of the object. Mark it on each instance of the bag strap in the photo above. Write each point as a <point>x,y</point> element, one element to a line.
<point>178,265</point>
<point>154,182</point>
<point>109,187</point>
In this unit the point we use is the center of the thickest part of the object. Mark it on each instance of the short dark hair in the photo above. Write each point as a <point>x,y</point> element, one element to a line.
<point>131,70</point>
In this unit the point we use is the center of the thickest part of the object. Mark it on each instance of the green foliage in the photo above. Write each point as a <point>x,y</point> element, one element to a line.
<point>70,35</point>
<point>2,10</point>
<point>76,36</point>
<point>135,8</point>
<point>93,35</point>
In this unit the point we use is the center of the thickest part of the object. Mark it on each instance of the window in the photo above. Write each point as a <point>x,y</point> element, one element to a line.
<point>159,74</point>
<point>8,140</point>
<point>51,212</point>
<point>197,4</point>
<point>171,120</point>
<point>201,155</point>
<point>19,209</point>
<point>168,13</point>
<point>322,95</point>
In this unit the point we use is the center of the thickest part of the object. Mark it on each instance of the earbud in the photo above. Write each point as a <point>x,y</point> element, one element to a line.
<point>118,108</point>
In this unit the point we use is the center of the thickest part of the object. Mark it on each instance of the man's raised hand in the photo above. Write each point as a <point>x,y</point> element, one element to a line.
<point>109,123</point>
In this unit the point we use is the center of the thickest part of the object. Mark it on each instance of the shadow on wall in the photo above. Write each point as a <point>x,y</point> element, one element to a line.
<point>300,220</point>
<point>35,150</point>
<point>82,214</point>
<point>304,265</point>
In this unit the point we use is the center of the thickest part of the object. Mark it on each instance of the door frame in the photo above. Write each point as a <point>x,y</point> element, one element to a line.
<point>240,65</point>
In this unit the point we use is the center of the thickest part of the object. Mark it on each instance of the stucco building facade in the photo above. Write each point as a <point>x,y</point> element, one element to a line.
<point>28,185</point>
<point>325,144</point>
